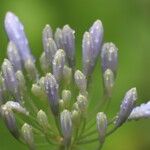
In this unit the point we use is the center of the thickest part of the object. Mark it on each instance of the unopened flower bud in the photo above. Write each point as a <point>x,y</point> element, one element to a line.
<point>59,38</point>
<point>67,74</point>
<point>82,103</point>
<point>101,121</point>
<point>42,119</point>
<point>37,91</point>
<point>13,56</point>
<point>66,96</point>
<point>140,112</point>
<point>51,88</point>
<point>96,32</point>
<point>50,51</point>
<point>16,107</point>
<point>87,54</point>
<point>31,69</point>
<point>10,121</point>
<point>10,78</point>
<point>109,57</point>
<point>80,80</point>
<point>69,44</point>
<point>44,65</point>
<point>61,105</point>
<point>16,34</point>
<point>27,135</point>
<point>127,106</point>
<point>76,118</point>
<point>46,34</point>
<point>21,83</point>
<point>109,80</point>
<point>58,64</point>
<point>66,125</point>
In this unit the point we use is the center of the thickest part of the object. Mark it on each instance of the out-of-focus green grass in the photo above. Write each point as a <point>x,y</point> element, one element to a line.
<point>126,23</point>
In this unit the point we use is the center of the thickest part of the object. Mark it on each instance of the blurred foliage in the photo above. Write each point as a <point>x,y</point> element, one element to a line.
<point>126,23</point>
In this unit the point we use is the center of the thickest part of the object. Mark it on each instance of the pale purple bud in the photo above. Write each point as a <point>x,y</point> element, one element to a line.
<point>50,50</point>
<point>59,38</point>
<point>127,106</point>
<point>16,34</point>
<point>27,135</point>
<point>101,121</point>
<point>69,44</point>
<point>80,80</point>
<point>10,78</point>
<point>66,125</point>
<point>87,54</point>
<point>96,32</point>
<point>51,88</point>
<point>10,120</point>
<point>109,57</point>
<point>58,64</point>
<point>13,56</point>
<point>46,34</point>
<point>140,112</point>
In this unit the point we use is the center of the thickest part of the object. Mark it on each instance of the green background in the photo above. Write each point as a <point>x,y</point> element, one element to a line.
<point>126,23</point>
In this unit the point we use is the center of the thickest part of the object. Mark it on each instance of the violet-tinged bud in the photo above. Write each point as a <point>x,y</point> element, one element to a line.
<point>58,64</point>
<point>69,44</point>
<point>10,78</point>
<point>101,121</point>
<point>109,57</point>
<point>127,106</point>
<point>51,89</point>
<point>44,65</point>
<point>96,32</point>
<point>59,38</point>
<point>31,70</point>
<point>80,80</point>
<point>67,75</point>
<point>66,125</point>
<point>50,51</point>
<point>21,83</point>
<point>15,106</point>
<point>140,112</point>
<point>10,121</point>
<point>108,79</point>
<point>27,135</point>
<point>13,56</point>
<point>16,34</point>
<point>88,59</point>
<point>46,34</point>
<point>82,103</point>
<point>42,119</point>
<point>76,118</point>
